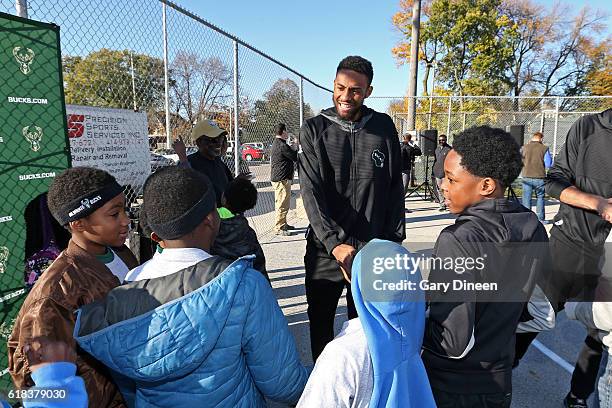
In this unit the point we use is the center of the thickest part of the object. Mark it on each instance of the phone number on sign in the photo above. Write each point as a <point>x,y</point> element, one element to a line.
<point>39,394</point>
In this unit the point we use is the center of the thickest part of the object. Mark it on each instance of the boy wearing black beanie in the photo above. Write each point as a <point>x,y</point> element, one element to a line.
<point>91,204</point>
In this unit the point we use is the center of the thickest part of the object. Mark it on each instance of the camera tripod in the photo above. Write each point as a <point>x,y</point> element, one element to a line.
<point>426,185</point>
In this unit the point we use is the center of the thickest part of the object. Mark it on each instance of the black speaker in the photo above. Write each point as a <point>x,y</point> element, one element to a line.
<point>429,141</point>
<point>517,132</point>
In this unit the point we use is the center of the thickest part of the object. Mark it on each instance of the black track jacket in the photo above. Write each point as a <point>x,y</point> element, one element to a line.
<point>350,178</point>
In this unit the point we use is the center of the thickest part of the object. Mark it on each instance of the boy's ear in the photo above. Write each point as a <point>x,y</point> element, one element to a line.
<point>79,225</point>
<point>211,217</point>
<point>488,186</point>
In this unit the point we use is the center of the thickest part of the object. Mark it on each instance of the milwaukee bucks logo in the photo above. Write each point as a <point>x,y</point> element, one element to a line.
<point>33,134</point>
<point>4,254</point>
<point>24,57</point>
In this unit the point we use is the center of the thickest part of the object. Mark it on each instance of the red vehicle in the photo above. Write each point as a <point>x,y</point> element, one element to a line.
<point>252,152</point>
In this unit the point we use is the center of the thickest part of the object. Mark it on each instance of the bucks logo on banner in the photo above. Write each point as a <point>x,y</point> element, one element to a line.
<point>24,57</point>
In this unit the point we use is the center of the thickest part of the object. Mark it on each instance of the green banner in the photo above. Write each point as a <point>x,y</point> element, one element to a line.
<point>33,147</point>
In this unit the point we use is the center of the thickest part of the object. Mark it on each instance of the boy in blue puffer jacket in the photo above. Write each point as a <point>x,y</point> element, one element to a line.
<point>192,329</point>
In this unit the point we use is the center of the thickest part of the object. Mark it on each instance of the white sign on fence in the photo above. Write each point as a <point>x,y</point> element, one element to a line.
<point>115,140</point>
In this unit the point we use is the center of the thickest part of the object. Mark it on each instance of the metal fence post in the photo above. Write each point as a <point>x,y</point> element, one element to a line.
<point>236,127</point>
<point>450,103</point>
<point>542,115</point>
<point>166,78</point>
<point>301,101</point>
<point>22,8</point>
<point>133,81</point>
<point>430,111</point>
<point>556,126</point>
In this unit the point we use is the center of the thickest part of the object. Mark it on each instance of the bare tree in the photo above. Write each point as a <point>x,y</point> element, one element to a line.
<point>201,85</point>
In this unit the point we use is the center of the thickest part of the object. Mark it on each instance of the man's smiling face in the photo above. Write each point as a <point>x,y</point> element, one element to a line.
<point>350,90</point>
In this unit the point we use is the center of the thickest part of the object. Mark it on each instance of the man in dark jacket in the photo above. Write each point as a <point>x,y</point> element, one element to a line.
<point>209,138</point>
<point>410,151</point>
<point>469,336</point>
<point>437,170</point>
<point>581,179</point>
<point>351,183</point>
<point>282,158</point>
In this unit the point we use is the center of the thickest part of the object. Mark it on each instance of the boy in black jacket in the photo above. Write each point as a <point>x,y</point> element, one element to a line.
<point>469,336</point>
<point>236,238</point>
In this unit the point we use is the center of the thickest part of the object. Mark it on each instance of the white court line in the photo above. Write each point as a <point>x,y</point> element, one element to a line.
<point>553,356</point>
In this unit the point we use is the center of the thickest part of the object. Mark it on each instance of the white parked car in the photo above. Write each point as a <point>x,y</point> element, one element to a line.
<point>169,153</point>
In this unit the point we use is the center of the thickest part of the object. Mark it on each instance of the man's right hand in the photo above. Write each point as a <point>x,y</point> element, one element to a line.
<point>344,254</point>
<point>179,148</point>
<point>604,209</point>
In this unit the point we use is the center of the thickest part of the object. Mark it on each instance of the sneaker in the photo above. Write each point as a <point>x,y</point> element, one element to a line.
<point>283,233</point>
<point>572,402</point>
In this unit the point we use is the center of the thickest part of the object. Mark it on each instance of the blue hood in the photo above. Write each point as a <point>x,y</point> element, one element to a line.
<point>393,322</point>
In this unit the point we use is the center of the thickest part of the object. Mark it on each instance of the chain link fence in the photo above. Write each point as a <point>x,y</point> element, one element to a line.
<point>119,55</point>
<point>137,75</point>
<point>553,116</point>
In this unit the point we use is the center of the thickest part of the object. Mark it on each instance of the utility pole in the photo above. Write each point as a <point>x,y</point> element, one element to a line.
<point>22,8</point>
<point>414,63</point>
<point>166,79</point>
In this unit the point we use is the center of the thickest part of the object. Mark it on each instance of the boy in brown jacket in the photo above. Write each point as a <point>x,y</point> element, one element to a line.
<point>91,204</point>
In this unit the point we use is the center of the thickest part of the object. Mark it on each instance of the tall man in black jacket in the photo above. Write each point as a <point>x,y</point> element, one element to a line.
<point>581,178</point>
<point>351,183</point>
<point>282,157</point>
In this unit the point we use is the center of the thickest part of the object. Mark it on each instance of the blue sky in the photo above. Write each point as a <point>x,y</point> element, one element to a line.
<point>312,37</point>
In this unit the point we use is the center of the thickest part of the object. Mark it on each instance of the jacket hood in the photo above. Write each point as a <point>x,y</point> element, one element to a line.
<point>393,322</point>
<point>510,221</point>
<point>231,230</point>
<point>605,118</point>
<point>331,114</point>
<point>162,328</point>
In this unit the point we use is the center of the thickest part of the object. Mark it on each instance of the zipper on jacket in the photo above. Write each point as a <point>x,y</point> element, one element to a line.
<point>354,176</point>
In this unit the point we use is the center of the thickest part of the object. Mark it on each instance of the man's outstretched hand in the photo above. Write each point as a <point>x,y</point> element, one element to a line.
<point>179,148</point>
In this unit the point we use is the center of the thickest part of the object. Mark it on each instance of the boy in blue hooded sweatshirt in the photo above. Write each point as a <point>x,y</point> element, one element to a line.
<point>192,329</point>
<point>375,360</point>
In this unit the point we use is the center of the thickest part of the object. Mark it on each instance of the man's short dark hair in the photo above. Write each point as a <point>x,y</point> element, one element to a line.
<point>357,64</point>
<point>171,191</point>
<point>489,152</point>
<point>280,128</point>
<point>240,195</point>
<point>75,183</point>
